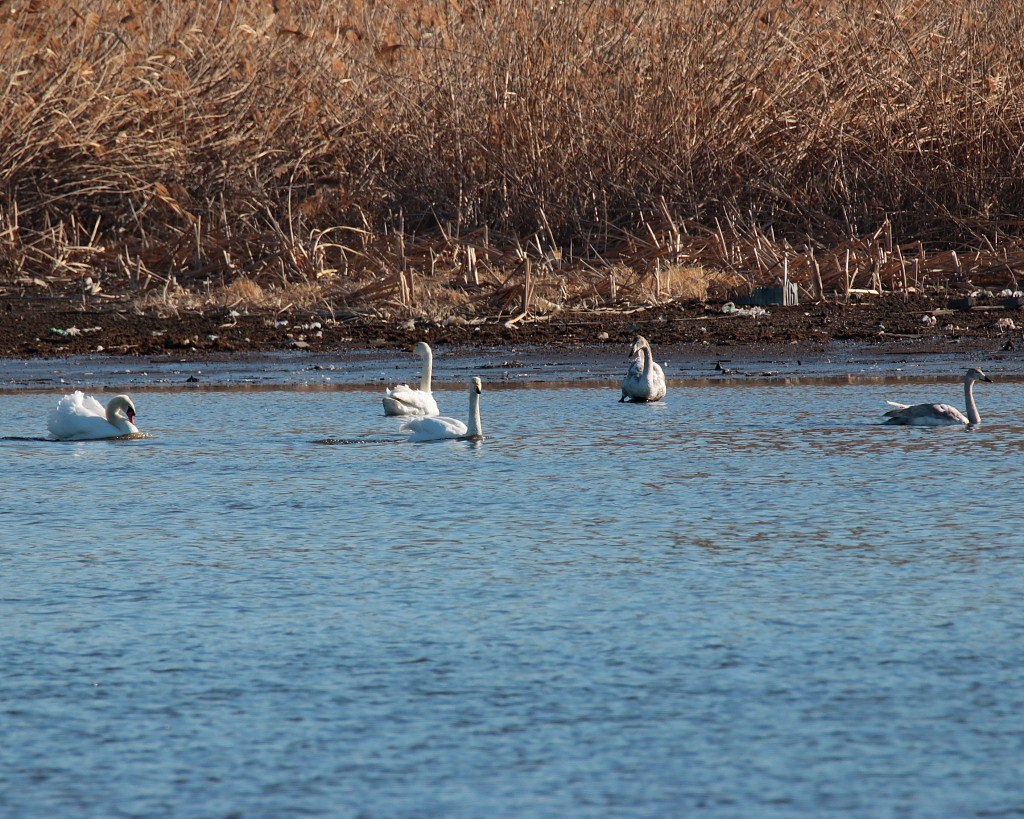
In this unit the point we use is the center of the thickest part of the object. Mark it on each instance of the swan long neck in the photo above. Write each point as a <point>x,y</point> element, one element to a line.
<point>645,351</point>
<point>474,428</point>
<point>116,415</point>
<point>972,408</point>
<point>428,370</point>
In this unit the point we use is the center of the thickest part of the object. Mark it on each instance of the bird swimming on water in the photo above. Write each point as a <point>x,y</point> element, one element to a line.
<point>934,415</point>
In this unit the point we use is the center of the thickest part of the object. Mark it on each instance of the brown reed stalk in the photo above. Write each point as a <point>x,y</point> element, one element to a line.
<point>214,138</point>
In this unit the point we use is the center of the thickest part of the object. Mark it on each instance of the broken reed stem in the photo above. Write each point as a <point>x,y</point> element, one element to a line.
<point>819,290</point>
<point>472,274</point>
<point>403,289</point>
<point>410,288</point>
<point>721,242</point>
<point>903,272</point>
<point>377,162</point>
<point>527,288</point>
<point>846,274</point>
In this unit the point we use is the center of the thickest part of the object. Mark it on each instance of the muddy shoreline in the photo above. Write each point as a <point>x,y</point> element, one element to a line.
<point>41,330</point>
<point>886,337</point>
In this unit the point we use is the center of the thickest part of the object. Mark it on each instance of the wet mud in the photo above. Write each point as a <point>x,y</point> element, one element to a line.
<point>30,330</point>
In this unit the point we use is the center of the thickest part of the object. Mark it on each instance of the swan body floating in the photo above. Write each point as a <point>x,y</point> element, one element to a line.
<point>934,415</point>
<point>78,417</point>
<point>439,428</point>
<point>645,380</point>
<point>404,400</point>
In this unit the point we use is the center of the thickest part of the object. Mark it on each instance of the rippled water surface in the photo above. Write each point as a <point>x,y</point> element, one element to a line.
<point>749,601</point>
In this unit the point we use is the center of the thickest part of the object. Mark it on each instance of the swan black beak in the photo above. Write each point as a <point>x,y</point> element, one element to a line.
<point>131,416</point>
<point>477,390</point>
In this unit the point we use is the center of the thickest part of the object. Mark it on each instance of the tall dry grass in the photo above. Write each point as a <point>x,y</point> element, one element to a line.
<point>388,150</point>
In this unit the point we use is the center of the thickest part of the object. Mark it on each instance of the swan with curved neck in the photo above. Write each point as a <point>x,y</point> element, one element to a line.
<point>404,400</point>
<point>78,417</point>
<point>645,380</point>
<point>440,427</point>
<point>932,415</point>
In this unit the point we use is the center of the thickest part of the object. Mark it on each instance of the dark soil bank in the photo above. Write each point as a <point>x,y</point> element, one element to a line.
<point>40,330</point>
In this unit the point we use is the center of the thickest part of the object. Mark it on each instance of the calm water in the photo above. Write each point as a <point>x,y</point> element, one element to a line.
<point>750,601</point>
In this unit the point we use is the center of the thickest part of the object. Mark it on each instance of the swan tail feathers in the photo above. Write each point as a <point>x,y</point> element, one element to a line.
<point>926,415</point>
<point>405,401</point>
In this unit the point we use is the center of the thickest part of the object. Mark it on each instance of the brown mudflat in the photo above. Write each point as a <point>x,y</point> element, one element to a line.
<point>32,329</point>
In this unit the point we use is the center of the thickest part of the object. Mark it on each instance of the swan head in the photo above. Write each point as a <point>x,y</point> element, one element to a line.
<point>974,374</point>
<point>638,343</point>
<point>122,403</point>
<point>476,386</point>
<point>421,348</point>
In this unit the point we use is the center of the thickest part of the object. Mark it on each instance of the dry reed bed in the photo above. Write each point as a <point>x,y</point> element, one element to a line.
<point>434,157</point>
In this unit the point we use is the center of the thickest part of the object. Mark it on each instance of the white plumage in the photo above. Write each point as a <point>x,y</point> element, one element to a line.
<point>404,400</point>
<point>645,380</point>
<point>440,427</point>
<point>78,417</point>
<point>933,415</point>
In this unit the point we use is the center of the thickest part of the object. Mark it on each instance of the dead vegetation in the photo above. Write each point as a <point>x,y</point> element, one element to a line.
<point>439,158</point>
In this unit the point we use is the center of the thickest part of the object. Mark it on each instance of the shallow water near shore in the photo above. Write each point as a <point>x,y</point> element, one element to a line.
<point>751,599</point>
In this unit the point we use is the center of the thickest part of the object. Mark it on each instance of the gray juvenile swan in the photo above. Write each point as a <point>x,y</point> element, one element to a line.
<point>933,415</point>
<point>404,400</point>
<point>645,380</point>
<point>78,417</point>
<point>439,428</point>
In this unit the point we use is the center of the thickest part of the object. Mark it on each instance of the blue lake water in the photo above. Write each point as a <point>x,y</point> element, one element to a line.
<point>751,600</point>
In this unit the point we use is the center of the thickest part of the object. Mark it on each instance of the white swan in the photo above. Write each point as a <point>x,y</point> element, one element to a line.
<point>645,380</point>
<point>78,417</point>
<point>439,428</point>
<point>933,415</point>
<point>404,400</point>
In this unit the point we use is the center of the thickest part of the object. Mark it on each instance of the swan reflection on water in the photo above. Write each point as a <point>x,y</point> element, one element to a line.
<point>471,443</point>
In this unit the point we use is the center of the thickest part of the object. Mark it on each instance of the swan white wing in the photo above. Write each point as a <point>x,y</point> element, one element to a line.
<point>926,415</point>
<point>78,417</point>
<point>80,404</point>
<point>635,386</point>
<point>88,405</point>
<point>403,400</point>
<point>658,386</point>
<point>630,385</point>
<point>86,429</point>
<point>434,428</point>
<point>633,383</point>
